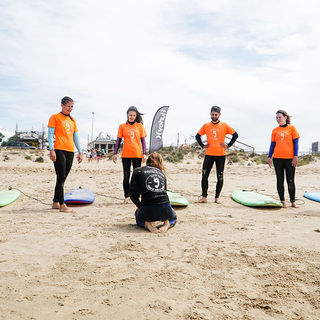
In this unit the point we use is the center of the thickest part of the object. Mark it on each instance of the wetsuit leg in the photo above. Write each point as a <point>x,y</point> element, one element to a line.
<point>136,162</point>
<point>126,164</point>
<point>62,166</point>
<point>279,168</point>
<point>290,172</point>
<point>220,161</point>
<point>206,169</point>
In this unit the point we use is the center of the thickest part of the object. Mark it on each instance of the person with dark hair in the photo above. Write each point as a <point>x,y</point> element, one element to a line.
<point>134,146</point>
<point>216,132</point>
<point>283,151</point>
<point>149,183</point>
<point>64,128</point>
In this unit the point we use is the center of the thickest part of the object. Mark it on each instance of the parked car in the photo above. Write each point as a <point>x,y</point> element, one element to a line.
<point>20,145</point>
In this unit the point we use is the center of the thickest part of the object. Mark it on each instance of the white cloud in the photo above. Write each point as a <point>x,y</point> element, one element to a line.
<point>250,57</point>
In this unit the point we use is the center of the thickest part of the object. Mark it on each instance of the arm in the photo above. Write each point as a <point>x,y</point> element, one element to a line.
<point>271,149</point>
<point>233,139</point>
<point>143,143</point>
<point>76,141</point>
<point>295,152</point>
<point>134,189</point>
<point>198,138</point>
<point>52,154</point>
<point>116,148</point>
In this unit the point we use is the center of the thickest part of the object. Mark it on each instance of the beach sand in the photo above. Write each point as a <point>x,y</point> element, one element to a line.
<point>223,261</point>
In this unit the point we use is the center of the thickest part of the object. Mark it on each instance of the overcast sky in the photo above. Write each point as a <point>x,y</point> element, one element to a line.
<point>249,57</point>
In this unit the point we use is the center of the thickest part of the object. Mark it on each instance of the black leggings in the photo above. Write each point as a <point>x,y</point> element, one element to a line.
<point>206,168</point>
<point>281,166</point>
<point>62,167</point>
<point>126,164</point>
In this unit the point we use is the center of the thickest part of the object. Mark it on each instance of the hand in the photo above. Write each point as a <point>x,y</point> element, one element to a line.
<point>52,156</point>
<point>270,162</point>
<point>114,158</point>
<point>206,146</point>
<point>223,145</point>
<point>294,161</point>
<point>144,158</point>
<point>79,157</point>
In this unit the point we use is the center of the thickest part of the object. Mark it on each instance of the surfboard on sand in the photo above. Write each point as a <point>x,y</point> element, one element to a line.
<point>315,196</point>
<point>79,196</point>
<point>177,200</point>
<point>254,199</point>
<point>8,196</point>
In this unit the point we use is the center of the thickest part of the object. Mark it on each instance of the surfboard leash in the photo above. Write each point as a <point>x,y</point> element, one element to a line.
<point>103,195</point>
<point>47,204</point>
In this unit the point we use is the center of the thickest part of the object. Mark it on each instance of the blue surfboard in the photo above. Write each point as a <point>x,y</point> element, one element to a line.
<point>79,196</point>
<point>315,196</point>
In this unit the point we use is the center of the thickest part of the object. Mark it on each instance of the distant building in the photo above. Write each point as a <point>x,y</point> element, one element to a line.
<point>315,147</point>
<point>38,139</point>
<point>103,142</point>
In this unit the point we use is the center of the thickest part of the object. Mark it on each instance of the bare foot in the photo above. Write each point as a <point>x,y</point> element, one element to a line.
<point>55,205</point>
<point>165,227</point>
<point>217,201</point>
<point>126,200</point>
<point>283,204</point>
<point>65,209</point>
<point>293,204</point>
<point>150,227</point>
<point>203,200</point>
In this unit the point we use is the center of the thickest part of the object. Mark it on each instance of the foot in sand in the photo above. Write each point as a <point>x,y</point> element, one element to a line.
<point>293,204</point>
<point>150,227</point>
<point>55,205</point>
<point>203,200</point>
<point>126,200</point>
<point>64,208</point>
<point>217,201</point>
<point>283,204</point>
<point>165,227</point>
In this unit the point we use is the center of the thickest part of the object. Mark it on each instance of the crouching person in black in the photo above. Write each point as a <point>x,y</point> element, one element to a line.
<point>150,183</point>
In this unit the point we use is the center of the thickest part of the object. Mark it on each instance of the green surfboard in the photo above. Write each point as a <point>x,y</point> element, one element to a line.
<point>177,200</point>
<point>254,199</point>
<point>8,196</point>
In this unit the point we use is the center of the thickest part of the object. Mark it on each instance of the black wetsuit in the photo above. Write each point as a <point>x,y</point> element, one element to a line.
<point>62,166</point>
<point>150,183</point>
<point>208,164</point>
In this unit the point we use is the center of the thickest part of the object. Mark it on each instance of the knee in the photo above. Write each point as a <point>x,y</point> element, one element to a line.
<point>220,177</point>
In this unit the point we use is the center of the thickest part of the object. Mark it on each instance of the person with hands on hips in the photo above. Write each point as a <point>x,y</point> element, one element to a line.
<point>283,152</point>
<point>216,132</point>
<point>64,129</point>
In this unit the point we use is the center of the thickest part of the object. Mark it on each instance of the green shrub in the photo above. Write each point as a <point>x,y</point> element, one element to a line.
<point>304,160</point>
<point>27,157</point>
<point>39,159</point>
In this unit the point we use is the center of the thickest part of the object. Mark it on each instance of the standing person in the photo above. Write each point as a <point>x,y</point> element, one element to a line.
<point>216,132</point>
<point>284,148</point>
<point>150,183</point>
<point>64,128</point>
<point>134,146</point>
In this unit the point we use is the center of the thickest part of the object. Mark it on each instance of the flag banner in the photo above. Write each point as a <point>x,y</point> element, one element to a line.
<point>157,129</point>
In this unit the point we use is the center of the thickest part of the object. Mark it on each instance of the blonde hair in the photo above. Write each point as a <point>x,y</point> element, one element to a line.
<point>155,160</point>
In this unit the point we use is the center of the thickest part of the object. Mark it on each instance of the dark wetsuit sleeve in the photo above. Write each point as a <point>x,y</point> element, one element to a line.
<point>143,143</point>
<point>134,188</point>
<point>116,147</point>
<point>233,139</point>
<point>295,146</point>
<point>271,149</point>
<point>198,138</point>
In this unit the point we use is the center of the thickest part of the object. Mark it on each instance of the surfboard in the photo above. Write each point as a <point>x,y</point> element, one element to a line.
<point>79,196</point>
<point>177,200</point>
<point>315,196</point>
<point>254,199</point>
<point>8,196</point>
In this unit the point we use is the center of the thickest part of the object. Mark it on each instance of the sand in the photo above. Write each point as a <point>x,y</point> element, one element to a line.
<point>223,261</point>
